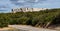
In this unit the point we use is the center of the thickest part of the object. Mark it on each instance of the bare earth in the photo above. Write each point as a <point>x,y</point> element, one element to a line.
<point>6,28</point>
<point>30,28</point>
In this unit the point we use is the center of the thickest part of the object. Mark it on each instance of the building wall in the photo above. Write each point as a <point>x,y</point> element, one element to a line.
<point>27,9</point>
<point>38,9</point>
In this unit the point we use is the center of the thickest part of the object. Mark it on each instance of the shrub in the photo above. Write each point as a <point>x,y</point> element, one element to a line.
<point>42,18</point>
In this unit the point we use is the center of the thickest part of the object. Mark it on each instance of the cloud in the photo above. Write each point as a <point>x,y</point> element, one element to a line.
<point>3,10</point>
<point>26,3</point>
<point>34,1</point>
<point>13,0</point>
<point>3,6</point>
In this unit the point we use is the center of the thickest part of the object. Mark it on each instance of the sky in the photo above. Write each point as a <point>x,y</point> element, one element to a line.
<point>7,5</point>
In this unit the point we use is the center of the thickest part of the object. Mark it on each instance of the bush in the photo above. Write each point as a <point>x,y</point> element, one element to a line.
<point>42,18</point>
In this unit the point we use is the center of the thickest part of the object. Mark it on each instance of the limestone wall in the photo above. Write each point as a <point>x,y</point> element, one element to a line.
<point>27,9</point>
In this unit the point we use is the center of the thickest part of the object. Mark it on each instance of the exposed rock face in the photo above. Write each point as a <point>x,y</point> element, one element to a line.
<point>27,9</point>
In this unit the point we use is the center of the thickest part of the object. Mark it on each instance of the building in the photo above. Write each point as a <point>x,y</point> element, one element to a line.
<point>27,9</point>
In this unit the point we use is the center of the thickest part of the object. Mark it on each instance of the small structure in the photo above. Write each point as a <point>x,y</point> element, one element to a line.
<point>27,9</point>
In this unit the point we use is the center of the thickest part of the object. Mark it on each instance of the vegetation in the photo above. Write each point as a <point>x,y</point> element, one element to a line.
<point>39,19</point>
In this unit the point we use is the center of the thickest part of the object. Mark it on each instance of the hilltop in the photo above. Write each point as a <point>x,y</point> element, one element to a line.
<point>43,18</point>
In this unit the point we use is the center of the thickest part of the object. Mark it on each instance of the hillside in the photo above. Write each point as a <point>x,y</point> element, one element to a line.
<point>43,18</point>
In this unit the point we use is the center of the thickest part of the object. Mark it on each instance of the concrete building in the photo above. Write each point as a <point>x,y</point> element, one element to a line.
<point>27,9</point>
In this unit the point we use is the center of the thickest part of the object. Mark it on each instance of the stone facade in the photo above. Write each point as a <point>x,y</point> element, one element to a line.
<point>27,9</point>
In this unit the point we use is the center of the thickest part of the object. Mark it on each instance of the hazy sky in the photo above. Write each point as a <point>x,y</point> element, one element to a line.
<point>7,5</point>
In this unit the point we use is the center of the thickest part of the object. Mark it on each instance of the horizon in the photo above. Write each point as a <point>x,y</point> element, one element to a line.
<point>7,5</point>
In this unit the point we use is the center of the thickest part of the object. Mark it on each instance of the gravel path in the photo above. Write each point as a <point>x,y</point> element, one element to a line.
<point>29,28</point>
